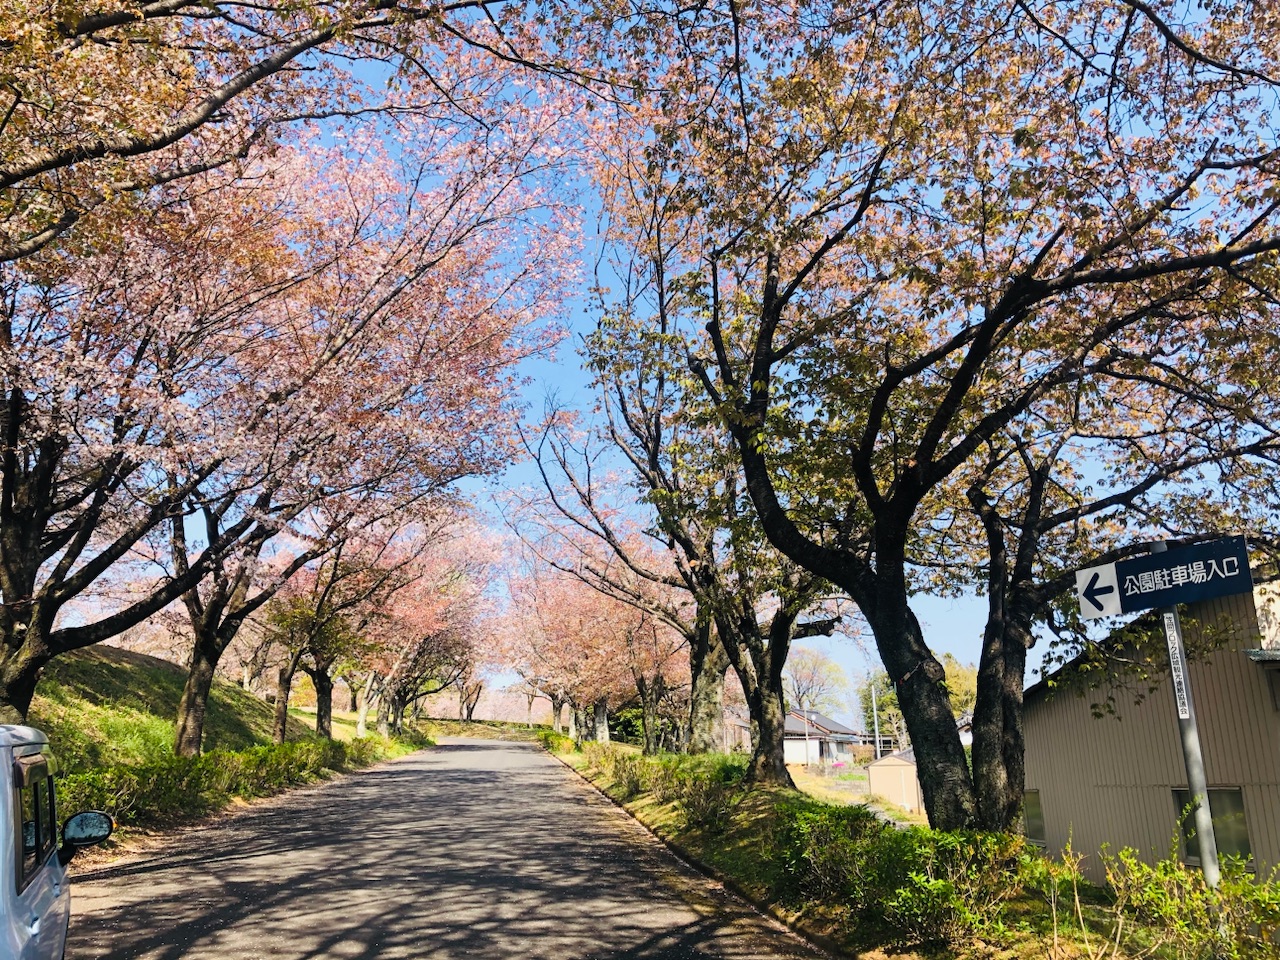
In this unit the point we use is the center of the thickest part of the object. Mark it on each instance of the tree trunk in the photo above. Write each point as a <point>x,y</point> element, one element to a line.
<point>991,780</point>
<point>580,723</point>
<point>758,659</point>
<point>284,684</point>
<point>384,713</point>
<point>650,694</point>
<point>194,704</point>
<point>601,721</point>
<point>324,702</point>
<point>999,770</point>
<point>20,671</point>
<point>768,760</point>
<point>919,678</point>
<point>557,707</point>
<point>362,714</point>
<point>362,717</point>
<point>708,664</point>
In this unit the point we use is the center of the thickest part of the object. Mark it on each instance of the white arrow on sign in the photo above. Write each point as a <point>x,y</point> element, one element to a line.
<point>1098,591</point>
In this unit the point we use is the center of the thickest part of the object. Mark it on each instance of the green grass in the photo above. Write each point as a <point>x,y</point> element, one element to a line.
<point>104,706</point>
<point>111,716</point>
<point>343,723</point>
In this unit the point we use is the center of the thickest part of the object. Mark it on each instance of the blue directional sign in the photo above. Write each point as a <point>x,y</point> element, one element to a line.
<point>1216,568</point>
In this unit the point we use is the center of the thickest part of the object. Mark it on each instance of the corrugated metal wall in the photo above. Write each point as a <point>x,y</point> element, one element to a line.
<point>1111,780</point>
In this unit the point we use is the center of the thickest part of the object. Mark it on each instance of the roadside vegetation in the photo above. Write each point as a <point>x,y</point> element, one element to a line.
<point>846,876</point>
<point>110,716</point>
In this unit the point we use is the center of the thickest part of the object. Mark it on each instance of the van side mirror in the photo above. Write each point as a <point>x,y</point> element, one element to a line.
<point>84,829</point>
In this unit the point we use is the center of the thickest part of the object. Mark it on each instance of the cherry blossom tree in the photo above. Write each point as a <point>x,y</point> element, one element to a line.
<point>431,632</point>
<point>585,523</point>
<point>739,603</point>
<point>896,242</point>
<point>574,640</point>
<point>104,102</point>
<point>320,618</point>
<point>336,327</point>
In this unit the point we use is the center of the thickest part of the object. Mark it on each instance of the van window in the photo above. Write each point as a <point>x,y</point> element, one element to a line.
<point>37,807</point>
<point>30,852</point>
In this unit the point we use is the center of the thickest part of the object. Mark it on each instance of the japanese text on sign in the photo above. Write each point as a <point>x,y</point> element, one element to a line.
<point>1176,666</point>
<point>1197,571</point>
<point>1186,574</point>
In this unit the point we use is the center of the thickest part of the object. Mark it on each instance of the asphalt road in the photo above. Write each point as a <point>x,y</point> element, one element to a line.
<point>476,849</point>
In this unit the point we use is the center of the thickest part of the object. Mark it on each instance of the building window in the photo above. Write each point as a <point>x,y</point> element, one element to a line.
<point>1226,808</point>
<point>1033,818</point>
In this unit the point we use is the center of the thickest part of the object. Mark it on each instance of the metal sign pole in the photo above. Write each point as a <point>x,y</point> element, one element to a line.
<point>1192,754</point>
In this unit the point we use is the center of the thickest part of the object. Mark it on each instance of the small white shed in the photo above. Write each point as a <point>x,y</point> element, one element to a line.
<point>894,778</point>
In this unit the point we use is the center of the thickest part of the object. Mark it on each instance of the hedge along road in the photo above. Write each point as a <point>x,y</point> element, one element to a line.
<point>477,848</point>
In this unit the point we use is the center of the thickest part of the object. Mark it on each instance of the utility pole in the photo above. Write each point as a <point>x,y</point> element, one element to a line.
<point>875,713</point>
<point>805,714</point>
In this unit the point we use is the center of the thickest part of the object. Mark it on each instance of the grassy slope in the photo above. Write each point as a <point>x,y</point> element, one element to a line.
<point>104,706</point>
<point>742,855</point>
<point>484,729</point>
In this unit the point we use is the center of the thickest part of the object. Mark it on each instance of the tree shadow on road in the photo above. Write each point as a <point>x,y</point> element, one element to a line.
<point>482,851</point>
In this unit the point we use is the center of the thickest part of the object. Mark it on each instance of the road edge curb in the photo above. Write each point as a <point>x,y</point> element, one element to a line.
<point>817,940</point>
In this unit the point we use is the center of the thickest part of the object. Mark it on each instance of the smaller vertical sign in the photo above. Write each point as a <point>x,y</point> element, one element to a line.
<point>1176,667</point>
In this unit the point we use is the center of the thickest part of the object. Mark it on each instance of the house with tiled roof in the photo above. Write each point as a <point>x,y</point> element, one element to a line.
<point>811,737</point>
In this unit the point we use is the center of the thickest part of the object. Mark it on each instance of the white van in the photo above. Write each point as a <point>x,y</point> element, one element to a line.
<point>35,902</point>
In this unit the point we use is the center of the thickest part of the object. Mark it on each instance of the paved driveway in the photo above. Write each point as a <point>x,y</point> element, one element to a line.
<point>477,849</point>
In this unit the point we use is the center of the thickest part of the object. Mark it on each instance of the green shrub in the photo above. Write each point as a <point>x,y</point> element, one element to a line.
<point>927,886</point>
<point>599,757</point>
<point>1240,920</point>
<point>707,804</point>
<point>555,742</point>
<point>665,779</point>
<point>957,886</point>
<point>629,775</point>
<point>173,788</point>
<point>834,852</point>
<point>928,909</point>
<point>729,768</point>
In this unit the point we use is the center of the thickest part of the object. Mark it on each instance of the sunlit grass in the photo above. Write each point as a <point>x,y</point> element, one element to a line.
<point>104,706</point>
<point>484,729</point>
